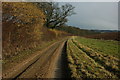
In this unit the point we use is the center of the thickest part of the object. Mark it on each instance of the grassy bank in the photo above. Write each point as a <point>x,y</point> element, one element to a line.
<point>84,62</point>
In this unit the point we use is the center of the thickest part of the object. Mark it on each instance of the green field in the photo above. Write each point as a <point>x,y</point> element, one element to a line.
<point>109,47</point>
<point>88,58</point>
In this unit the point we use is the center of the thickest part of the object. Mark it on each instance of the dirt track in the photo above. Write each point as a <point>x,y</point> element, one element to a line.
<point>46,64</point>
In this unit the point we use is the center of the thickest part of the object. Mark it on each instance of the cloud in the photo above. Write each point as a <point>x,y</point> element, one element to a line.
<point>95,15</point>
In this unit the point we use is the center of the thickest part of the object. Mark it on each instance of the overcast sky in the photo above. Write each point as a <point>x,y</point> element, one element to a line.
<point>95,15</point>
<point>92,15</point>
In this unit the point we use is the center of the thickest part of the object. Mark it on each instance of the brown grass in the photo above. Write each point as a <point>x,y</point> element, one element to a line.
<point>83,66</point>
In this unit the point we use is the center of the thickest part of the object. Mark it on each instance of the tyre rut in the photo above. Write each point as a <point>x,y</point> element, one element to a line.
<point>39,67</point>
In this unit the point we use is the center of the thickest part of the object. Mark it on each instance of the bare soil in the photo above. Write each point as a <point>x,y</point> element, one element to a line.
<point>45,64</point>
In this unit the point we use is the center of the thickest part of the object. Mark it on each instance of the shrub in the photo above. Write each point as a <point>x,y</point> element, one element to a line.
<point>22,23</point>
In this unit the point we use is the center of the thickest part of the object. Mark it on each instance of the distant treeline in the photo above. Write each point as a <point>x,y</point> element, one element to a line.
<point>106,36</point>
<point>76,31</point>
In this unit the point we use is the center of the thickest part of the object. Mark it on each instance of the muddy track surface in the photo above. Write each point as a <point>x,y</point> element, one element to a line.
<point>47,64</point>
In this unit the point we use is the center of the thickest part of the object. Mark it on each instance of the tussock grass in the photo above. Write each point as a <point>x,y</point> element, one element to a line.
<point>82,66</point>
<point>109,62</point>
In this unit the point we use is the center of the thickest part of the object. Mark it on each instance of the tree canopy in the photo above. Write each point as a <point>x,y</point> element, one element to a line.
<point>56,15</point>
<point>22,26</point>
<point>22,13</point>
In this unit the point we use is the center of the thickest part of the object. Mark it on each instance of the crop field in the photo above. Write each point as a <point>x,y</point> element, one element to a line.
<point>84,61</point>
<point>109,47</point>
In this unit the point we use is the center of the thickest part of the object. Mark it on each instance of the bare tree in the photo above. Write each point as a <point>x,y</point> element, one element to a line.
<point>56,15</point>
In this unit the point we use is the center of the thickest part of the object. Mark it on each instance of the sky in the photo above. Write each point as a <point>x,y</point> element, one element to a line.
<point>62,0</point>
<point>91,14</point>
<point>94,15</point>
